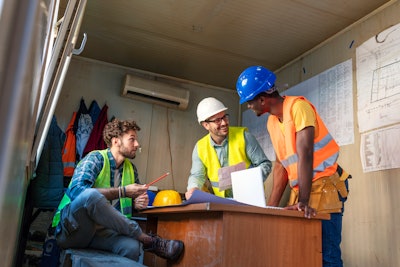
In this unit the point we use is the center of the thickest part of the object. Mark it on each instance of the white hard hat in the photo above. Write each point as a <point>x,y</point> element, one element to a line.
<point>208,107</point>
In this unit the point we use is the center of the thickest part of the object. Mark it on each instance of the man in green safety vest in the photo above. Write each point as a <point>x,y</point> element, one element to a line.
<point>96,208</point>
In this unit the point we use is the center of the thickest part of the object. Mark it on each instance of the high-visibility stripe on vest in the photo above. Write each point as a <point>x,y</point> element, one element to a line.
<point>236,154</point>
<point>326,150</point>
<point>103,181</point>
<point>69,148</point>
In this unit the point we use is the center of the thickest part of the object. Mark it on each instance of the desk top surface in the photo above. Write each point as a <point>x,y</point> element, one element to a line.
<point>218,207</point>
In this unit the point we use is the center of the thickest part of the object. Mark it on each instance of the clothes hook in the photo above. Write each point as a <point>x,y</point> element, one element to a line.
<point>78,51</point>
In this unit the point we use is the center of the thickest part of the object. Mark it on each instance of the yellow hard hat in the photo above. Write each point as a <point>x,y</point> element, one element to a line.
<point>167,197</point>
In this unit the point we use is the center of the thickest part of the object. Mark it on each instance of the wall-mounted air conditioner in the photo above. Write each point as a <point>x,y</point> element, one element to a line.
<point>155,92</point>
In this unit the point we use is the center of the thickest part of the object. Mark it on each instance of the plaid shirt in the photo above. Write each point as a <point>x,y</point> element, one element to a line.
<point>89,168</point>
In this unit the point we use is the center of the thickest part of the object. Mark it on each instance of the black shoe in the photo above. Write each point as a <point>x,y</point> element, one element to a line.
<point>167,249</point>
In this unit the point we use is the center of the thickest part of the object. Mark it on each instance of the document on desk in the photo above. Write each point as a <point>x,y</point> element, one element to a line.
<point>203,197</point>
<point>199,196</point>
<point>224,175</point>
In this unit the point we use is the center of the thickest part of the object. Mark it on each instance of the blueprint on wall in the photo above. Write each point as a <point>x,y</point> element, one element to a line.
<point>378,80</point>
<point>378,98</point>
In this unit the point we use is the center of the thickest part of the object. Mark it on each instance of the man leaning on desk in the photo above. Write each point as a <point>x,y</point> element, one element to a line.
<point>306,156</point>
<point>96,208</point>
<point>223,146</point>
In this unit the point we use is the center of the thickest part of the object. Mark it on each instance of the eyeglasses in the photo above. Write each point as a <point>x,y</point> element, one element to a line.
<point>219,120</point>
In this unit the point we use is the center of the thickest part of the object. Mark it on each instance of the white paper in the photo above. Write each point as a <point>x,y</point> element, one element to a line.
<point>378,80</point>
<point>379,149</point>
<point>258,127</point>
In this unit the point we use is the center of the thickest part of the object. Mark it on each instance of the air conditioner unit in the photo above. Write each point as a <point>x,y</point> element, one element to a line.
<point>155,92</point>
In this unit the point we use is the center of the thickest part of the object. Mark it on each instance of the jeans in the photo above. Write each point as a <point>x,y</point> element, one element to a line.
<point>332,237</point>
<point>89,221</point>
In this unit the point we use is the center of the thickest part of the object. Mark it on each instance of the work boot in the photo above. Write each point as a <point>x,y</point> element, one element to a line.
<point>167,249</point>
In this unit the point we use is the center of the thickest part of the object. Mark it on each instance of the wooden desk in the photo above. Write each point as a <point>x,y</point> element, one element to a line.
<point>230,235</point>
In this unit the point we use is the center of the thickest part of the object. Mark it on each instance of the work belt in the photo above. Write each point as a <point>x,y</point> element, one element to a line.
<point>325,192</point>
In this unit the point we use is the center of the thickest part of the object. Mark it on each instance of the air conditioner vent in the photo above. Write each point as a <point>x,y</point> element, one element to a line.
<point>155,92</point>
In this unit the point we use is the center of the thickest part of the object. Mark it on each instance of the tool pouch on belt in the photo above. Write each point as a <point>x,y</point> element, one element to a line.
<point>325,192</point>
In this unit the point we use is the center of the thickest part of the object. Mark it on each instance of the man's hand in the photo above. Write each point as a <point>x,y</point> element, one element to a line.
<point>189,193</point>
<point>142,201</point>
<point>308,211</point>
<point>135,190</point>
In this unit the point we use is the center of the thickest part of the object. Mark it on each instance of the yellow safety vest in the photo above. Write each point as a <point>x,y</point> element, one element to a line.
<point>236,154</point>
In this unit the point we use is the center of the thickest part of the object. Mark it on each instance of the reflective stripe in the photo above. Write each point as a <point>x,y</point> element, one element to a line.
<point>290,160</point>
<point>327,163</point>
<point>317,146</point>
<point>215,184</point>
<point>69,164</point>
<point>324,142</point>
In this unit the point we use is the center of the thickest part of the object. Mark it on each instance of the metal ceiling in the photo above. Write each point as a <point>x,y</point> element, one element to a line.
<point>212,41</point>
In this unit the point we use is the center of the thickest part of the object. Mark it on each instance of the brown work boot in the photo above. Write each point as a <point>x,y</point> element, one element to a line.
<point>167,249</point>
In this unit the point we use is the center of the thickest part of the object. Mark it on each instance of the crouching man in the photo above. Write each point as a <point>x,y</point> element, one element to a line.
<point>96,208</point>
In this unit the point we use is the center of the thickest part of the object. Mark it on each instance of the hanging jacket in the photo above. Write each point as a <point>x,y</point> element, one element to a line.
<point>48,184</point>
<point>85,127</point>
<point>236,154</point>
<point>326,150</point>
<point>82,110</point>
<point>96,141</point>
<point>94,111</point>
<point>103,181</point>
<point>69,149</point>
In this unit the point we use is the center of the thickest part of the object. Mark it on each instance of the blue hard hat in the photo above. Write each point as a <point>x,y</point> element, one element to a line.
<point>253,81</point>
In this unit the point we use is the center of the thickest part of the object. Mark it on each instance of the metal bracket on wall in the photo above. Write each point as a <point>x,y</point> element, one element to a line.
<point>80,49</point>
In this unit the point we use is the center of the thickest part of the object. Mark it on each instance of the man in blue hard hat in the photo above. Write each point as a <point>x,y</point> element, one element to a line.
<point>306,156</point>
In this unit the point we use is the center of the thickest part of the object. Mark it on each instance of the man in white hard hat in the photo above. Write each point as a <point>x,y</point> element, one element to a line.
<point>222,146</point>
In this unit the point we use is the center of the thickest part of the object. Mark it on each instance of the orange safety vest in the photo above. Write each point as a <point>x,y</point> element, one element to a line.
<point>326,150</point>
<point>236,154</point>
<point>69,148</point>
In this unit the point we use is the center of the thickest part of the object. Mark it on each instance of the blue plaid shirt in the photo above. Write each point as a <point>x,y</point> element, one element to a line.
<point>89,168</point>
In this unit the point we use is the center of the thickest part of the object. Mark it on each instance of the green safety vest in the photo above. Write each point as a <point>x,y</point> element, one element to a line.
<point>103,181</point>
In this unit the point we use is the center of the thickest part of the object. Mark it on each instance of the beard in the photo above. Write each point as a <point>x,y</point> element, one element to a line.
<point>127,153</point>
<point>221,131</point>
